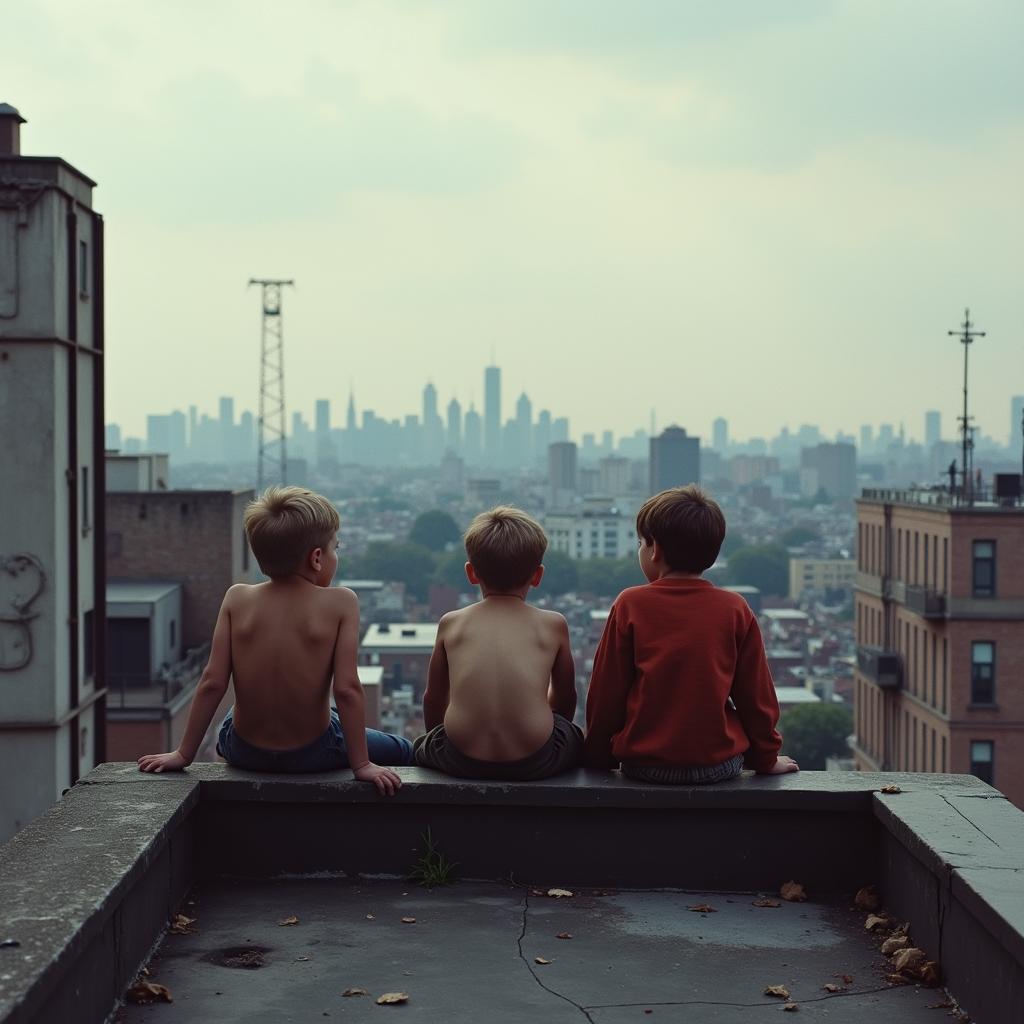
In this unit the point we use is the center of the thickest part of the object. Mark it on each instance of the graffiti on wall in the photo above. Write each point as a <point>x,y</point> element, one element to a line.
<point>22,580</point>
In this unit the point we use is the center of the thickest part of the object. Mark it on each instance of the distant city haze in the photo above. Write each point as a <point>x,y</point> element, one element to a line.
<point>767,212</point>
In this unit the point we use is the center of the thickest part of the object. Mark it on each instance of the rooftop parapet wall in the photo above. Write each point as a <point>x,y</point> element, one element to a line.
<point>87,889</point>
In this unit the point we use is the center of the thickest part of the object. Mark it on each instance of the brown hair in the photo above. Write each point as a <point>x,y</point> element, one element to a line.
<point>688,526</point>
<point>285,523</point>
<point>505,547</point>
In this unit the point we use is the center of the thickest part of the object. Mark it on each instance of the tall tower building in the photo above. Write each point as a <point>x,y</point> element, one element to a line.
<point>492,414</point>
<point>454,437</point>
<point>720,435</point>
<point>939,612</point>
<point>563,473</point>
<point>932,427</point>
<point>473,433</point>
<point>53,597</point>
<point>524,430</point>
<point>674,459</point>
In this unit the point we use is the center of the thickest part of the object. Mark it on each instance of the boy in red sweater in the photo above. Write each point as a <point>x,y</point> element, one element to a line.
<point>680,691</point>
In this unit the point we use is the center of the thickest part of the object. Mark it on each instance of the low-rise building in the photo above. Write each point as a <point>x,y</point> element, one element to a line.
<point>599,530</point>
<point>820,574</point>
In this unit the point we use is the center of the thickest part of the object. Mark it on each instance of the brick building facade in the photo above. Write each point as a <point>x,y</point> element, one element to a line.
<point>940,637</point>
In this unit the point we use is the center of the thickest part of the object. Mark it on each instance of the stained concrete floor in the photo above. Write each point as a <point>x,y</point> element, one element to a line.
<point>470,956</point>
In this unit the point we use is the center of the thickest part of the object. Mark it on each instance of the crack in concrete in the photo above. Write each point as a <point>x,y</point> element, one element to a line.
<point>969,822</point>
<point>529,966</point>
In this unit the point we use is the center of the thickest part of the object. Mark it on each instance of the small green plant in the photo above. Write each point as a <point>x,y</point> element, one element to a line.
<point>433,868</point>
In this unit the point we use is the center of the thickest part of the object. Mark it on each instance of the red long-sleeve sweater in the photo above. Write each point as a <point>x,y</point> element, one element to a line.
<point>672,654</point>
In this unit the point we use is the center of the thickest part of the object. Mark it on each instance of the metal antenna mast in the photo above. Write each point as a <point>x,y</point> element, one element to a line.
<point>966,336</point>
<point>271,462</point>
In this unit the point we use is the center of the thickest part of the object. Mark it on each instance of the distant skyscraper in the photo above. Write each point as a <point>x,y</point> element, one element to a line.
<point>562,474</point>
<point>454,439</point>
<point>831,468</point>
<point>560,429</point>
<point>227,428</point>
<point>932,427</point>
<point>158,433</point>
<point>866,438</point>
<point>674,459</point>
<point>429,403</point>
<point>720,435</point>
<point>1016,414</point>
<point>324,447</point>
<point>472,428</point>
<point>112,436</point>
<point>492,413</point>
<point>542,433</point>
<point>524,429</point>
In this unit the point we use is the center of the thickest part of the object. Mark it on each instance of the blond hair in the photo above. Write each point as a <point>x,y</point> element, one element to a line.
<point>285,523</point>
<point>505,547</point>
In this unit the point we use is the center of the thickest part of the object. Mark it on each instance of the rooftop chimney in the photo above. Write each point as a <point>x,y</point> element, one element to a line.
<point>10,130</point>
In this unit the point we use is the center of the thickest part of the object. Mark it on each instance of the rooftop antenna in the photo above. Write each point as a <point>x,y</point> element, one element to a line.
<point>271,462</point>
<point>966,336</point>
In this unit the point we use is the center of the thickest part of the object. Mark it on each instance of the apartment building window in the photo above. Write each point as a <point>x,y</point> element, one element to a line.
<point>925,574</point>
<point>945,565</point>
<point>917,549</point>
<point>83,269</point>
<point>983,760</point>
<point>983,672</point>
<point>984,569</point>
<point>943,754</point>
<point>934,660</point>
<point>945,675</point>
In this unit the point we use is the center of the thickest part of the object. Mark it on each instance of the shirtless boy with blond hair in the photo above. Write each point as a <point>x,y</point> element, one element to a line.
<point>501,689</point>
<point>287,644</point>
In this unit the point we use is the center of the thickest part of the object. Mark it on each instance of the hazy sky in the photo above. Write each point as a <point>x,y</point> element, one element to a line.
<point>771,211</point>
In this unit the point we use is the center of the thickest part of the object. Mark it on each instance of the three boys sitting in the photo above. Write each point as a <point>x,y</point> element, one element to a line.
<point>680,691</point>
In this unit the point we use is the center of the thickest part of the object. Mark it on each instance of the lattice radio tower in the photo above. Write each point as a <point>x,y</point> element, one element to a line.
<point>967,336</point>
<point>271,462</point>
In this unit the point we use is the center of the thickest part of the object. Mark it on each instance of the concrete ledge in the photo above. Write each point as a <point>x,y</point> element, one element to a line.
<point>88,888</point>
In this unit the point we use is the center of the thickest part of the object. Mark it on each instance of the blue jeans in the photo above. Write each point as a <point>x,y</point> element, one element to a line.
<point>322,755</point>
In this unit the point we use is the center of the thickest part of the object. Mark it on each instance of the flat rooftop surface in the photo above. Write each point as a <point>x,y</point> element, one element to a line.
<point>470,955</point>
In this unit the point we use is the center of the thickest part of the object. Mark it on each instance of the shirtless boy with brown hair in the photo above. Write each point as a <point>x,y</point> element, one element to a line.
<point>282,643</point>
<point>501,689</point>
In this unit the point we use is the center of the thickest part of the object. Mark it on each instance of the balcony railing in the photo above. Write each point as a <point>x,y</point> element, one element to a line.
<point>924,601</point>
<point>880,666</point>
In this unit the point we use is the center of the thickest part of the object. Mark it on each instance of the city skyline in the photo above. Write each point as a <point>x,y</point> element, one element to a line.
<point>630,208</point>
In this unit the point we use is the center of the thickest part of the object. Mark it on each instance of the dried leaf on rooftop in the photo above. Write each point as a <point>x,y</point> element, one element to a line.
<point>559,893</point>
<point>541,960</point>
<point>779,991</point>
<point>287,922</point>
<point>182,925</point>
<point>877,922</point>
<point>765,901</point>
<point>148,992</point>
<point>894,944</point>
<point>355,992</point>
<point>369,917</point>
<point>563,935</point>
<point>391,998</point>
<point>300,959</point>
<point>792,1007</point>
<point>891,789</point>
<point>831,986</point>
<point>846,979</point>
<point>703,908</point>
<point>793,892</point>
<point>867,898</point>
<point>408,920</point>
<point>929,973</point>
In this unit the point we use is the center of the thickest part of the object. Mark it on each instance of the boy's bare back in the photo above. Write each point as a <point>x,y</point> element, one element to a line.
<point>284,636</point>
<point>500,654</point>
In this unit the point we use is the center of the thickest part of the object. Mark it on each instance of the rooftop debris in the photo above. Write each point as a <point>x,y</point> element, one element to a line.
<point>559,893</point>
<point>765,901</point>
<point>779,991</point>
<point>563,935</point>
<point>831,986</point>
<point>182,925</point>
<point>541,960</point>
<point>355,992</point>
<point>892,789</point>
<point>143,992</point>
<point>408,920</point>
<point>793,892</point>
<point>287,922</point>
<point>703,908</point>
<point>391,998</point>
<point>867,898</point>
<point>792,1007</point>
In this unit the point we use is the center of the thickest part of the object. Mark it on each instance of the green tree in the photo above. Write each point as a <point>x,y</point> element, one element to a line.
<point>560,574</point>
<point>813,732</point>
<point>451,571</point>
<point>764,566</point>
<point>795,536</point>
<point>608,577</point>
<point>401,563</point>
<point>435,530</point>
<point>733,542</point>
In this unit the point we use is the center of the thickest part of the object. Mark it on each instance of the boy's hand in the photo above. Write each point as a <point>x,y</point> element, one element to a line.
<point>384,779</point>
<point>782,765</point>
<point>172,762</point>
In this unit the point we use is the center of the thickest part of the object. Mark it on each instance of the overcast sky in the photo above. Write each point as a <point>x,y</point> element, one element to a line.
<point>769,211</point>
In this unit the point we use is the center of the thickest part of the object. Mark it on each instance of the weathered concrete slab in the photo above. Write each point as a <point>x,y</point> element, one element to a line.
<point>65,875</point>
<point>470,956</point>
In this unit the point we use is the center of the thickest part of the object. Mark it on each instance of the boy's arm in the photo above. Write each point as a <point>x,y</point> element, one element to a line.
<point>753,693</point>
<point>610,683</point>
<point>435,697</point>
<point>562,691</point>
<point>213,684</point>
<point>348,697</point>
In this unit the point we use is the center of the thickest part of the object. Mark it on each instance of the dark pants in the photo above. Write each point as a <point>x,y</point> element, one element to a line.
<point>563,751</point>
<point>693,775</point>
<point>322,755</point>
